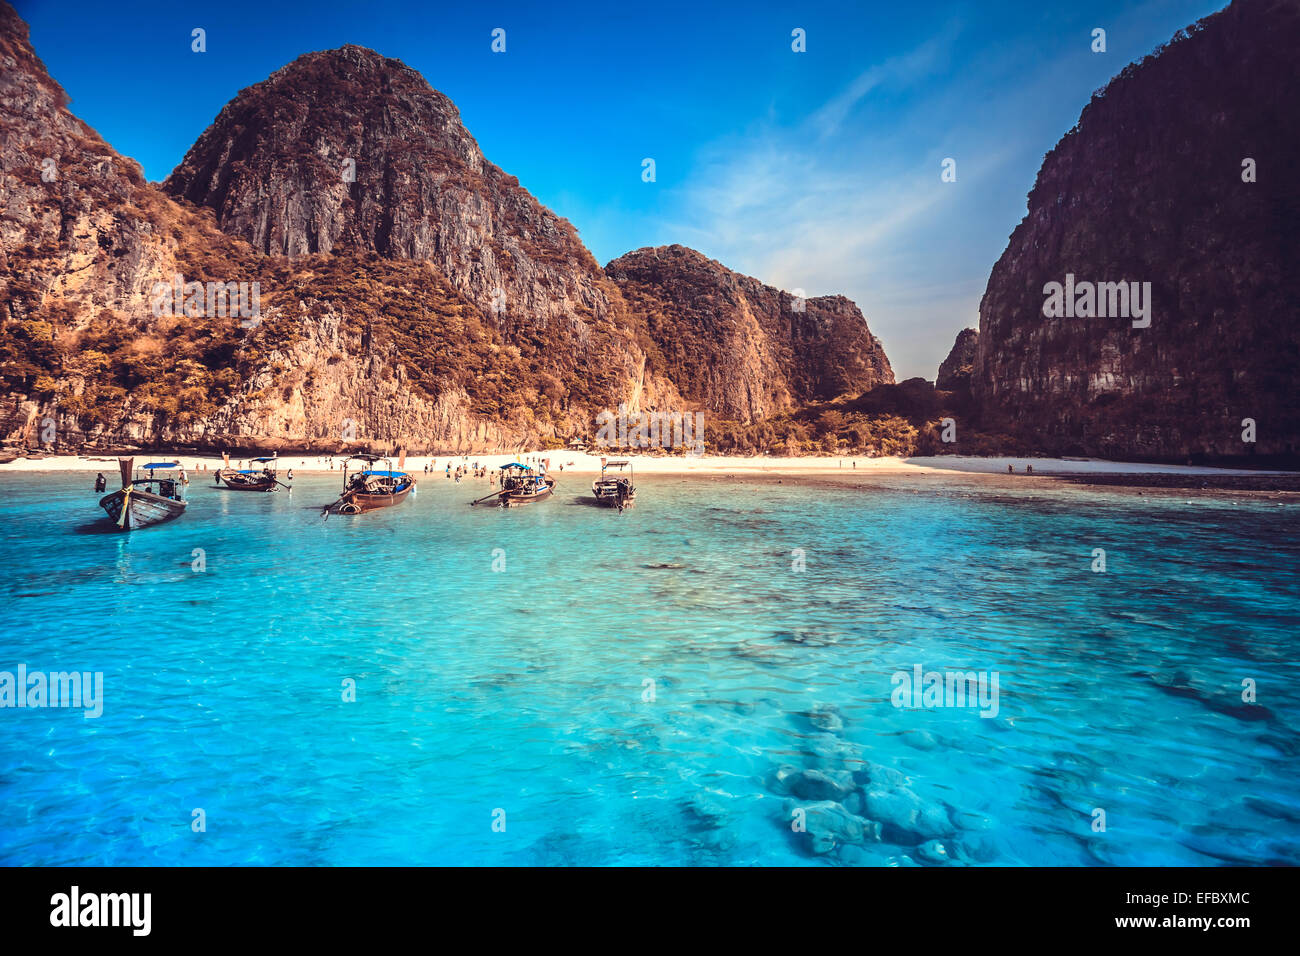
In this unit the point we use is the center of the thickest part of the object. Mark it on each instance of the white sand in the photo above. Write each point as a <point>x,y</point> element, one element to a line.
<point>581,463</point>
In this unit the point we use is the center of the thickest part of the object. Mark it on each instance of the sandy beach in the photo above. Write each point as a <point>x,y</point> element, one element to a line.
<point>582,463</point>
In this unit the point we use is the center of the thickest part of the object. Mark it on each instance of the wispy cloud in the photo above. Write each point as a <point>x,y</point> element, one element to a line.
<point>835,205</point>
<point>849,199</point>
<point>904,70</point>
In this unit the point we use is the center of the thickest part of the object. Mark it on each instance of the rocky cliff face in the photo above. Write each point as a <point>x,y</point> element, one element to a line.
<point>347,148</point>
<point>742,349</point>
<point>347,151</point>
<point>954,372</point>
<point>82,239</point>
<point>411,292</point>
<point>1153,186</point>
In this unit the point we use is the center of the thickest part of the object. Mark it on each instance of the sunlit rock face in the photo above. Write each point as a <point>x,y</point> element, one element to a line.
<point>742,349</point>
<point>348,148</point>
<point>411,292</point>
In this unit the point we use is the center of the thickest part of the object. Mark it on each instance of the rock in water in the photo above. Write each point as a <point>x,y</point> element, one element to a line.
<point>816,785</point>
<point>906,816</point>
<point>826,717</point>
<point>934,853</point>
<point>829,825</point>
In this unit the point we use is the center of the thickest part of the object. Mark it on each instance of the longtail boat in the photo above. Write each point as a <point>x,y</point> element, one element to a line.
<point>521,485</point>
<point>618,490</point>
<point>260,477</point>
<point>371,488</point>
<point>154,495</point>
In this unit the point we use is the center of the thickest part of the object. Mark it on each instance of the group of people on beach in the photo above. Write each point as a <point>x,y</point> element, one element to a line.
<point>466,470</point>
<point>469,469</point>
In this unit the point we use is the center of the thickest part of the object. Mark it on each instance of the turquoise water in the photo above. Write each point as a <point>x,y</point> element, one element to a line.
<point>525,690</point>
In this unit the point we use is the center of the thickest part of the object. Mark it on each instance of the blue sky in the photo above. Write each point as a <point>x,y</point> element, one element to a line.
<point>817,171</point>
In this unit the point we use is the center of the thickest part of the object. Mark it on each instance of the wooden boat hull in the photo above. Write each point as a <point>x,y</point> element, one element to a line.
<point>608,496</point>
<point>361,503</point>
<point>512,499</point>
<point>235,482</point>
<point>143,508</point>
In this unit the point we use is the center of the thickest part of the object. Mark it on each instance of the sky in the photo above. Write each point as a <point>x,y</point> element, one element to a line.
<point>817,172</point>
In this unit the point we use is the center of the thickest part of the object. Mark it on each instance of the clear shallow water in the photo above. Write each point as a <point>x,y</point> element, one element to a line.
<point>523,690</point>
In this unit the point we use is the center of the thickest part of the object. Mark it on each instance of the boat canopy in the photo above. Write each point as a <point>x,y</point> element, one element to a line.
<point>515,464</point>
<point>263,459</point>
<point>387,474</point>
<point>162,464</point>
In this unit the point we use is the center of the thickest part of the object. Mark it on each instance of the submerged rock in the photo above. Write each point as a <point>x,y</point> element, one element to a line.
<point>705,811</point>
<point>811,636</point>
<point>760,653</point>
<point>976,850</point>
<point>906,817</point>
<point>829,825</point>
<point>920,739</point>
<point>832,754</point>
<point>879,777</point>
<point>826,717</point>
<point>809,784</point>
<point>779,780</point>
<point>934,853</point>
<point>817,785</point>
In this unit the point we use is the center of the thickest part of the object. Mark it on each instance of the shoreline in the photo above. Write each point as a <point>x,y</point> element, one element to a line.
<point>1077,471</point>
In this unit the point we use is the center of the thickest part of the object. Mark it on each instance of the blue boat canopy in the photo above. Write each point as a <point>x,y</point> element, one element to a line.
<point>387,474</point>
<point>515,464</point>
<point>162,464</point>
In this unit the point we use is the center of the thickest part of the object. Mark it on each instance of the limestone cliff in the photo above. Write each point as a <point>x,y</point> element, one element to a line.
<point>742,349</point>
<point>411,293</point>
<point>954,372</point>
<point>1180,173</point>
